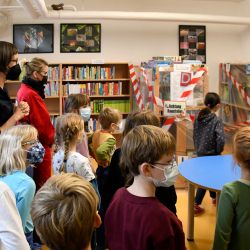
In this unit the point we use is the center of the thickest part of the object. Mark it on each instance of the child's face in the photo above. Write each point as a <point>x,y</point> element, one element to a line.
<point>157,173</point>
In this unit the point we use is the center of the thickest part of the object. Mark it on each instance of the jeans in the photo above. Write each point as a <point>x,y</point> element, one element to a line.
<point>200,195</point>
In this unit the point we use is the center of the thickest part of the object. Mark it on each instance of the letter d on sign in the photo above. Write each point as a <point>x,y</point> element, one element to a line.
<point>185,78</point>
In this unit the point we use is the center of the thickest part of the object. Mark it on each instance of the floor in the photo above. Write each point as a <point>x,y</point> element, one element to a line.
<point>204,225</point>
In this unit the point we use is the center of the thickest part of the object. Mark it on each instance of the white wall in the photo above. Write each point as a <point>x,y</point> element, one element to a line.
<point>137,41</point>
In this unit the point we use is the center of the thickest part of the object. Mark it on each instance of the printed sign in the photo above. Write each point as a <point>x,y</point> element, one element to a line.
<point>173,108</point>
<point>97,61</point>
<point>185,78</point>
<point>182,67</point>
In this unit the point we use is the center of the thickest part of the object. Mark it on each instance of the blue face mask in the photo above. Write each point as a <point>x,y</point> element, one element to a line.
<point>35,154</point>
<point>85,113</point>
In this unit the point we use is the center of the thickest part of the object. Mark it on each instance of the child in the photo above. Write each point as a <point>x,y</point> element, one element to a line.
<point>209,139</point>
<point>166,195</point>
<point>11,232</point>
<point>80,104</point>
<point>233,219</point>
<point>64,212</point>
<point>71,128</point>
<point>19,147</point>
<point>135,218</point>
<point>104,145</point>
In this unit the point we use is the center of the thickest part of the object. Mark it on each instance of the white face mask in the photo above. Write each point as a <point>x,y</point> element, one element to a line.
<point>120,127</point>
<point>170,173</point>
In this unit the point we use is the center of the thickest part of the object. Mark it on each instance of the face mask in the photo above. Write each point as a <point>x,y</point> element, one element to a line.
<point>85,113</point>
<point>170,173</point>
<point>35,154</point>
<point>120,127</point>
<point>14,72</point>
<point>44,80</point>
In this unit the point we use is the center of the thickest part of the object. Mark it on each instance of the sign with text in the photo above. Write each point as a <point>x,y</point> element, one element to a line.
<point>186,77</point>
<point>97,61</point>
<point>182,67</point>
<point>173,108</point>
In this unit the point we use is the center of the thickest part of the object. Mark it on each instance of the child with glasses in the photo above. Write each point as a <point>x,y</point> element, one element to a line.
<point>19,148</point>
<point>135,218</point>
<point>103,148</point>
<point>64,212</point>
<point>80,104</point>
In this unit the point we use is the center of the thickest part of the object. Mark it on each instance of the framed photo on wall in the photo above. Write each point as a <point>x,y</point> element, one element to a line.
<point>33,38</point>
<point>80,38</point>
<point>192,42</point>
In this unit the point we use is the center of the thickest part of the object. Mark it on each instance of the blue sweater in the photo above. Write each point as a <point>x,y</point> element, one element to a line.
<point>23,188</point>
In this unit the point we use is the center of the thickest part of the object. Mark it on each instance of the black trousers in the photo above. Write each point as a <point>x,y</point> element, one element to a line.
<point>200,195</point>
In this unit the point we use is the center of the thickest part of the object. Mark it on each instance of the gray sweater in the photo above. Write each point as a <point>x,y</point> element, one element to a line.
<point>209,137</point>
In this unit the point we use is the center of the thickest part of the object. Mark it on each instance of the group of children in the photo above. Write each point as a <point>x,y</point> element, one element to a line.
<point>132,191</point>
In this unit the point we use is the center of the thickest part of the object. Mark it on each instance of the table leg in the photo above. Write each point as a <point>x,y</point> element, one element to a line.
<point>217,201</point>
<point>190,229</point>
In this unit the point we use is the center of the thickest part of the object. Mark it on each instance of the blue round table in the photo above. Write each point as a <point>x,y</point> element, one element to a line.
<point>208,172</point>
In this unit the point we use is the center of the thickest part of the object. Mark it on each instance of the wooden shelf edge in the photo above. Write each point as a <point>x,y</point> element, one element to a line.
<point>51,97</point>
<point>103,96</point>
<point>97,80</point>
<point>235,105</point>
<point>12,82</point>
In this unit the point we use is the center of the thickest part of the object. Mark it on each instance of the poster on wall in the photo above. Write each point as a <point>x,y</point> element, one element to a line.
<point>80,38</point>
<point>192,42</point>
<point>33,38</point>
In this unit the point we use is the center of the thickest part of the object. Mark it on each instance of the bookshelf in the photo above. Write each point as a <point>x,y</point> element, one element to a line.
<point>56,77</point>
<point>234,108</point>
<point>182,130</point>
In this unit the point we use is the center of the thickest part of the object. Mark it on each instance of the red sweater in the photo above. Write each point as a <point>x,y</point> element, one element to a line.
<point>141,223</point>
<point>38,116</point>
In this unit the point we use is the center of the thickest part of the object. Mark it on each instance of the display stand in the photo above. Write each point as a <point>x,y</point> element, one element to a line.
<point>234,89</point>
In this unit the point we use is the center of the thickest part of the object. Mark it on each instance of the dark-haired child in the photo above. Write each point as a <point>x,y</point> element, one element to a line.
<point>209,139</point>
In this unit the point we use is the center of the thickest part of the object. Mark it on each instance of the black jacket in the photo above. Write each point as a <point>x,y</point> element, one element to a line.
<point>209,137</point>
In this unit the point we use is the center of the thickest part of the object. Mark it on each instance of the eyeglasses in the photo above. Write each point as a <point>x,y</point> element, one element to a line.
<point>33,143</point>
<point>14,61</point>
<point>170,165</point>
<point>46,73</point>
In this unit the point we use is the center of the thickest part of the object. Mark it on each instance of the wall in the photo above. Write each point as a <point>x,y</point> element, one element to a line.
<point>124,41</point>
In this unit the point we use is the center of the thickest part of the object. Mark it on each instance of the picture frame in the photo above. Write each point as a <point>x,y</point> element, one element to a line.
<point>80,38</point>
<point>33,38</point>
<point>192,42</point>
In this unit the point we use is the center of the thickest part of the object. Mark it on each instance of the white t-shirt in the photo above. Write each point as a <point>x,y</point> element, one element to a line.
<point>76,163</point>
<point>11,231</point>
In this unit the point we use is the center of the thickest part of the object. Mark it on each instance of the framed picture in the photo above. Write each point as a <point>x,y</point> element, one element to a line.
<point>80,38</point>
<point>192,42</point>
<point>33,38</point>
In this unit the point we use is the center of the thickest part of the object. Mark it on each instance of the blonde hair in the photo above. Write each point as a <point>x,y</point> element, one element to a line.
<point>11,152</point>
<point>241,147</point>
<point>75,101</point>
<point>67,126</point>
<point>142,144</point>
<point>36,64</point>
<point>108,116</point>
<point>63,212</point>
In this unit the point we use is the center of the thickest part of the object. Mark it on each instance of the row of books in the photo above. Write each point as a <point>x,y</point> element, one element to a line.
<point>122,105</point>
<point>52,89</point>
<point>93,88</point>
<point>53,120</point>
<point>77,73</point>
<point>54,73</point>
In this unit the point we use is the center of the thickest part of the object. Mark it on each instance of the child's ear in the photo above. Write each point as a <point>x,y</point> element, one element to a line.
<point>145,168</point>
<point>75,111</point>
<point>98,220</point>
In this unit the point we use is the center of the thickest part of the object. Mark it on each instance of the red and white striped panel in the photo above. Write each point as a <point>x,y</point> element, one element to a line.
<point>188,90</point>
<point>241,125</point>
<point>167,124</point>
<point>236,84</point>
<point>135,85</point>
<point>150,87</point>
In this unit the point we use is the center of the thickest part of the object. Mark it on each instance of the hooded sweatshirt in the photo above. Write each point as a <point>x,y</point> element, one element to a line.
<point>209,137</point>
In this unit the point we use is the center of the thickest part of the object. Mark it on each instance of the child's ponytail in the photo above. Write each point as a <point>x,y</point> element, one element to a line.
<point>66,152</point>
<point>211,100</point>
